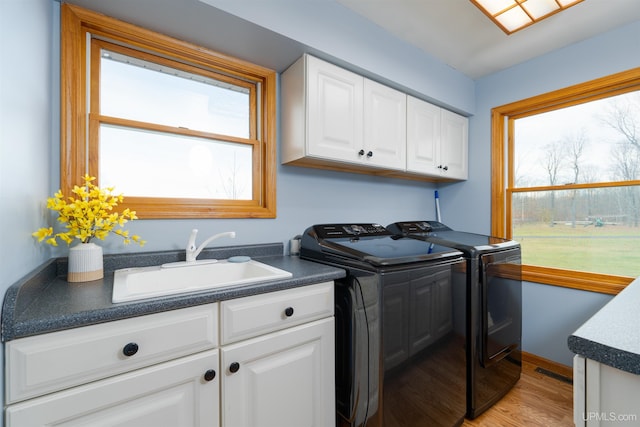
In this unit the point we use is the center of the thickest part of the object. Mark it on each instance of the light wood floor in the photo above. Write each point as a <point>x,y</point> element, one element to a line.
<point>536,400</point>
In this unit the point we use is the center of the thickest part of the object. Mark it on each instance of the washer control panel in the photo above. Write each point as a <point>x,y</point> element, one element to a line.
<point>325,231</point>
<point>416,227</point>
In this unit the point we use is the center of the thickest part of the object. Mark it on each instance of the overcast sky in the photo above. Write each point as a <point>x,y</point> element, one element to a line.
<point>535,132</point>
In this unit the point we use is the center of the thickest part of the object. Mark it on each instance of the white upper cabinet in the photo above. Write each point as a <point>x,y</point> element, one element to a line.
<point>335,104</point>
<point>454,130</point>
<point>323,112</point>
<point>336,119</point>
<point>334,112</point>
<point>385,130</point>
<point>347,119</point>
<point>423,136</point>
<point>436,140</point>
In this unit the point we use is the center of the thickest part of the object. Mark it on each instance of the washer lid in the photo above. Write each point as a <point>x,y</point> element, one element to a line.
<point>376,246</point>
<point>438,233</point>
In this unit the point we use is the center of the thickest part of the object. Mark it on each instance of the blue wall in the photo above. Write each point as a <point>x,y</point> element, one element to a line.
<point>26,123</point>
<point>26,117</point>
<point>336,32</point>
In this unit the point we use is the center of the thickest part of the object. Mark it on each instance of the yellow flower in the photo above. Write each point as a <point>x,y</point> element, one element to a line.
<point>89,215</point>
<point>42,233</point>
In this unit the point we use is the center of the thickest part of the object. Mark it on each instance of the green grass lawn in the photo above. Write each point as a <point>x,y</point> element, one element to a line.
<point>611,249</point>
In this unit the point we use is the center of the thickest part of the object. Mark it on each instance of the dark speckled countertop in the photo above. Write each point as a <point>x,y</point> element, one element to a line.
<point>612,335</point>
<point>44,301</point>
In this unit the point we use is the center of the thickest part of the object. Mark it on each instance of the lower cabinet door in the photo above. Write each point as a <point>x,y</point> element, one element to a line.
<point>183,392</point>
<point>283,379</point>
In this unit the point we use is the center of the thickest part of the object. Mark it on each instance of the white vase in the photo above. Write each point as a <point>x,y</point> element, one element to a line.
<point>85,263</point>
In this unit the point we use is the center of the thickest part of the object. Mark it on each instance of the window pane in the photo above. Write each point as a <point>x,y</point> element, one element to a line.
<point>139,90</point>
<point>592,142</point>
<point>594,230</point>
<point>150,164</point>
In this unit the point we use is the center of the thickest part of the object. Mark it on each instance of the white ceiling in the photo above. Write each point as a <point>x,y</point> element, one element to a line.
<point>460,35</point>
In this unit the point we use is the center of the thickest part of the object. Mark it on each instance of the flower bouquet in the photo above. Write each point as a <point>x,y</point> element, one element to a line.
<point>88,214</point>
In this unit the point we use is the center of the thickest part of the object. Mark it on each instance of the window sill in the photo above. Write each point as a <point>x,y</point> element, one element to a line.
<point>601,283</point>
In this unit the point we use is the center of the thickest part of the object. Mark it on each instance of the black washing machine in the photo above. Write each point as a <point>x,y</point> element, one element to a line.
<point>400,326</point>
<point>494,307</point>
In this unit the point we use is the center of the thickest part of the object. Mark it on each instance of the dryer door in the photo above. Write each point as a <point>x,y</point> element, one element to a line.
<point>501,275</point>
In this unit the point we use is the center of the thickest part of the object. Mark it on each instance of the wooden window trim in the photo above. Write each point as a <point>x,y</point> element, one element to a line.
<point>502,143</point>
<point>78,157</point>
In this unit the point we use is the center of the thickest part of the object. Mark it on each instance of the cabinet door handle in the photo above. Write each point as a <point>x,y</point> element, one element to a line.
<point>361,153</point>
<point>234,367</point>
<point>209,375</point>
<point>446,168</point>
<point>288,311</point>
<point>130,349</point>
<point>370,154</point>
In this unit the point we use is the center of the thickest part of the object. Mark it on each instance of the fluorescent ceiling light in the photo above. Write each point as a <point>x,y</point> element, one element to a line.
<point>514,15</point>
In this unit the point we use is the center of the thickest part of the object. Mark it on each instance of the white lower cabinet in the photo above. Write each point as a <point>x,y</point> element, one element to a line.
<point>277,359</point>
<point>604,396</point>
<point>273,365</point>
<point>173,393</point>
<point>284,379</point>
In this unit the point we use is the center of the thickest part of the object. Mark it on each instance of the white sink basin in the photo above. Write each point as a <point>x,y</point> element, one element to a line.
<point>130,284</point>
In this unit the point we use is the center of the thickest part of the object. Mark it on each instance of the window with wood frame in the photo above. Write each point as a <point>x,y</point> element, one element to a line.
<point>180,130</point>
<point>566,183</point>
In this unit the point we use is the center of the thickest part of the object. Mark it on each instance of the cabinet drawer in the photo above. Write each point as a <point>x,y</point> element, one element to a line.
<point>173,393</point>
<point>50,362</point>
<point>259,314</point>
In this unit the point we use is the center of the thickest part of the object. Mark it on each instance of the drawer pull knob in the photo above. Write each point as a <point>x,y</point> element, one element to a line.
<point>234,367</point>
<point>288,311</point>
<point>361,153</point>
<point>209,375</point>
<point>130,349</point>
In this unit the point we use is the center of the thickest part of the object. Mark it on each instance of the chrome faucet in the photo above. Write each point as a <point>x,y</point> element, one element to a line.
<point>193,252</point>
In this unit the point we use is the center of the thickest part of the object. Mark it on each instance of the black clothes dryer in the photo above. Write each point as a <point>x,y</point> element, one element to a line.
<point>494,307</point>
<point>400,327</point>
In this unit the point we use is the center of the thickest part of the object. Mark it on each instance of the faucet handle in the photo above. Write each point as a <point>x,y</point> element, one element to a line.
<point>191,245</point>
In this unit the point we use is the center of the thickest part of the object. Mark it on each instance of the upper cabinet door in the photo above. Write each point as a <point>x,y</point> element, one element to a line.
<point>423,136</point>
<point>436,141</point>
<point>334,118</point>
<point>385,130</point>
<point>454,145</point>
